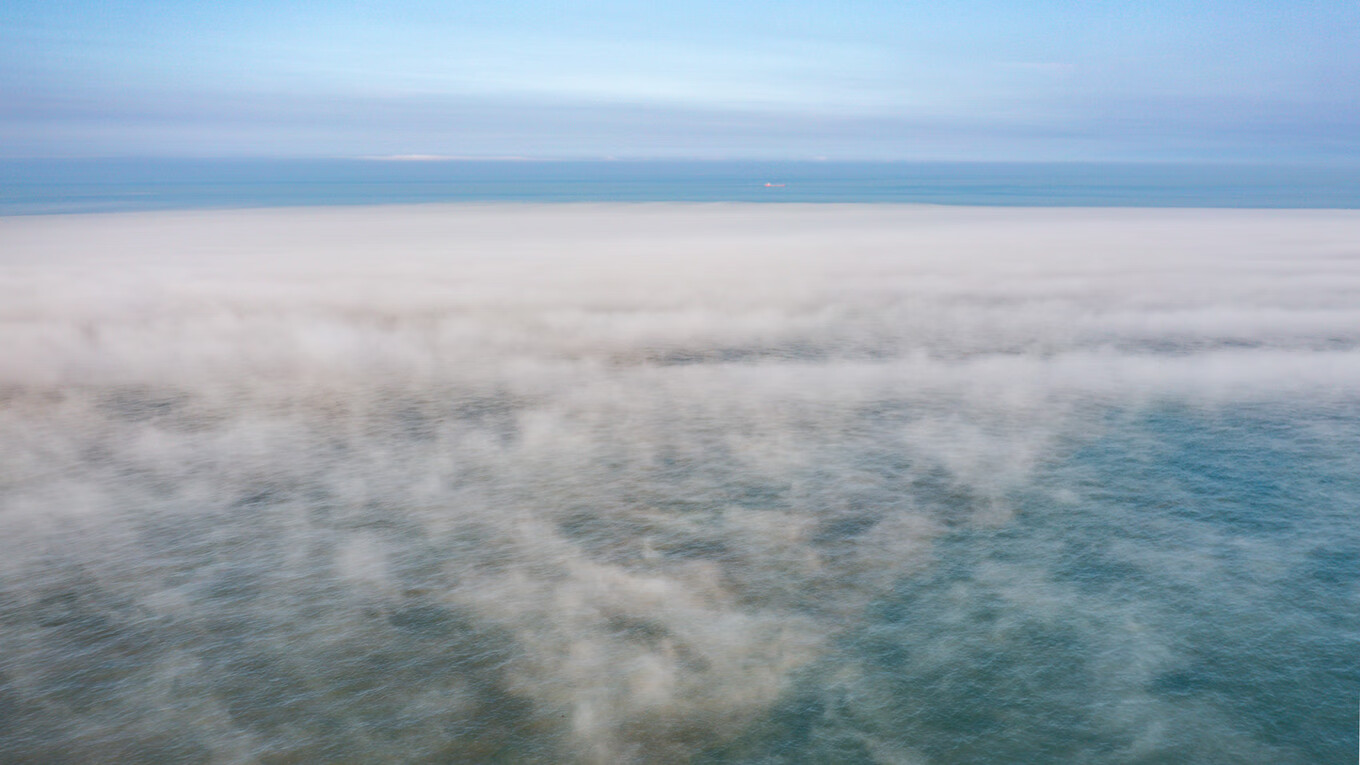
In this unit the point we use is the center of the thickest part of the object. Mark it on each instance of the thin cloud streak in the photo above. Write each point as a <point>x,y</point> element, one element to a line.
<point>997,81</point>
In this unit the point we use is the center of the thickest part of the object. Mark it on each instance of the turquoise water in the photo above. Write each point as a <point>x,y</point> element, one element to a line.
<point>1189,598</point>
<point>680,483</point>
<point>45,186</point>
<point>1197,576</point>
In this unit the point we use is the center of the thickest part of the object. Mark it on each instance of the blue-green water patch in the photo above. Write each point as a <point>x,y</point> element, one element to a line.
<point>1182,588</point>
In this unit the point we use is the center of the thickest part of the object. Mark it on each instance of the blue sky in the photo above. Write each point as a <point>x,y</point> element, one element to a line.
<point>998,80</point>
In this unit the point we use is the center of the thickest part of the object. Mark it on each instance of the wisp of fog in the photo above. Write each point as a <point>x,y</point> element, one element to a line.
<point>671,483</point>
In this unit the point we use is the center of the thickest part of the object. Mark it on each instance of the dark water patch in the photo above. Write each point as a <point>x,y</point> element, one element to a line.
<point>85,641</point>
<point>1334,566</point>
<point>696,549</point>
<point>607,538</point>
<point>786,353</point>
<point>757,495</point>
<point>143,404</point>
<point>235,584</point>
<point>953,502</point>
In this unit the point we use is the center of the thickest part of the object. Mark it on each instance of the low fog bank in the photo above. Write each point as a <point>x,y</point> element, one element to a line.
<point>589,482</point>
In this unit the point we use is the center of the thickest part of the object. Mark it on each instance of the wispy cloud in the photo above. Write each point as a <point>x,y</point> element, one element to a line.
<point>593,81</point>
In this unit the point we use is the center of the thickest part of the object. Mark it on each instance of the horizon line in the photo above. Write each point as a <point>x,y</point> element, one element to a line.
<point>455,158</point>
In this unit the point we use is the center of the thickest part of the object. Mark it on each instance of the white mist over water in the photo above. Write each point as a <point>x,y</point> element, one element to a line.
<point>579,482</point>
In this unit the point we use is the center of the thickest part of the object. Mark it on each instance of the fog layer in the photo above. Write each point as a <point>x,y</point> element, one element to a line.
<point>574,482</point>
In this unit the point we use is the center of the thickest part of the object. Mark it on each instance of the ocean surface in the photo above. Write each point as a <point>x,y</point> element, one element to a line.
<point>667,483</point>
<point>95,185</point>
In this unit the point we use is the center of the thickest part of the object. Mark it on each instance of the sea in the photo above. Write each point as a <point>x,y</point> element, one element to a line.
<point>1060,467</point>
<point>101,185</point>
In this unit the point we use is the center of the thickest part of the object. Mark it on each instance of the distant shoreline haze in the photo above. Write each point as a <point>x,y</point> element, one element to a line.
<point>36,186</point>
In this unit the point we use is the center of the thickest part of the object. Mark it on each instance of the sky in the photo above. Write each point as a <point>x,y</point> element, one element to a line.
<point>1243,80</point>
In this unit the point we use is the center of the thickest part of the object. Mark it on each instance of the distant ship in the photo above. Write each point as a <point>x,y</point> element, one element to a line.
<point>774,185</point>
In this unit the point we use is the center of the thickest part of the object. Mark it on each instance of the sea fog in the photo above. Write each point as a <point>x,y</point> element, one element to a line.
<point>668,483</point>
